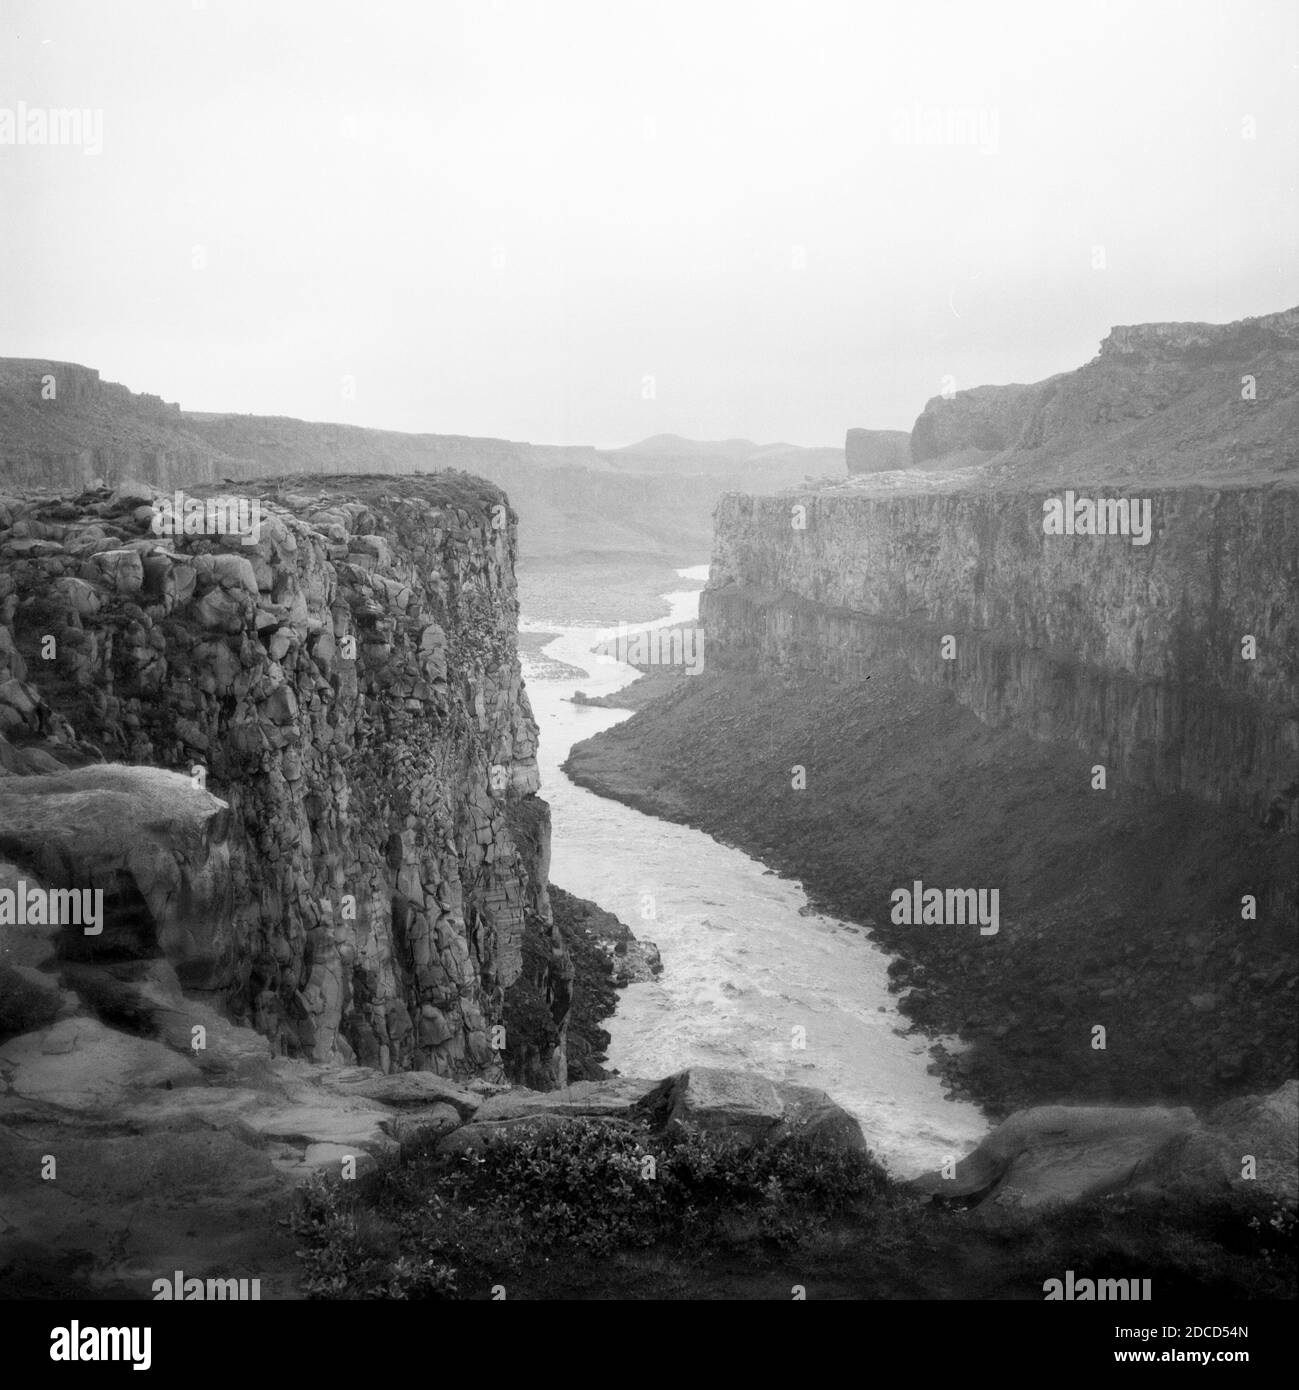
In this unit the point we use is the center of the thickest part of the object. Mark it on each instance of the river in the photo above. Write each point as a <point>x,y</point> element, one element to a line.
<point>746,963</point>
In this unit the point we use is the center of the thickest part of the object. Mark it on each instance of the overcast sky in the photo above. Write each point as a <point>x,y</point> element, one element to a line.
<point>591,222</point>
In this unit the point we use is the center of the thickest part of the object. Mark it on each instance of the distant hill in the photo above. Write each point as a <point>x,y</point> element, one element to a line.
<point>754,467</point>
<point>645,509</point>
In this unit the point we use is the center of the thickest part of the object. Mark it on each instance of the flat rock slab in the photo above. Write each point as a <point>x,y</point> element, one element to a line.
<point>522,1127</point>
<point>79,1064</point>
<point>403,1088</point>
<point>614,1096</point>
<point>323,1123</point>
<point>194,1107</point>
<point>521,1113</point>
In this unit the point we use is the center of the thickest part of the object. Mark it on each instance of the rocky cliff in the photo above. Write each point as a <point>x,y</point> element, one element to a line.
<point>340,701</point>
<point>1131,653</point>
<point>1160,402</point>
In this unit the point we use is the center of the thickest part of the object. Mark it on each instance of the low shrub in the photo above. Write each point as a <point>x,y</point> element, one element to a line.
<point>409,1228</point>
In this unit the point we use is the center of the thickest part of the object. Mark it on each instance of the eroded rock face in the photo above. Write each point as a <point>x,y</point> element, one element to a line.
<point>349,840</point>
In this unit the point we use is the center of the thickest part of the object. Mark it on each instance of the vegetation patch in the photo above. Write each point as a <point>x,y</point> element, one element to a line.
<point>593,1209</point>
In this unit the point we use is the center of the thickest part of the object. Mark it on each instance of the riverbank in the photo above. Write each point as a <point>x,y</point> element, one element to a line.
<point>1114,911</point>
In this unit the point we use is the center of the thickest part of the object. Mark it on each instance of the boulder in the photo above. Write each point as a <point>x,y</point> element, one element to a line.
<point>123,569</point>
<point>132,492</point>
<point>752,1109</point>
<point>1212,1158</point>
<point>152,841</point>
<point>1063,1154</point>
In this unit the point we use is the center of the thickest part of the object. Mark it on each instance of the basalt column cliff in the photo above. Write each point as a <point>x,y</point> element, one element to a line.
<point>1136,654</point>
<point>340,704</point>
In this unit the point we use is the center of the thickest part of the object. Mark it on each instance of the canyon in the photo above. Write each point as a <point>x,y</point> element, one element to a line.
<point>301,768</point>
<point>909,678</point>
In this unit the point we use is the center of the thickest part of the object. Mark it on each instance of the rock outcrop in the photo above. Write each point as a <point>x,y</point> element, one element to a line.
<point>1061,1154</point>
<point>874,451</point>
<point>1160,402</point>
<point>986,418</point>
<point>634,960</point>
<point>349,843</point>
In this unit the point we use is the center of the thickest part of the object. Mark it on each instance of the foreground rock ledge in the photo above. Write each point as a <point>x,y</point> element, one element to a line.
<point>1058,1154</point>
